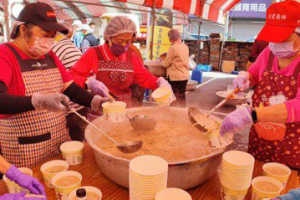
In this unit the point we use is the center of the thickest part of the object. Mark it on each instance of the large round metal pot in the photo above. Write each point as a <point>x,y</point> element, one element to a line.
<point>155,68</point>
<point>184,175</point>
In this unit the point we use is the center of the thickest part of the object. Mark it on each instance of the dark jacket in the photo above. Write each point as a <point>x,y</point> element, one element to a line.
<point>92,39</point>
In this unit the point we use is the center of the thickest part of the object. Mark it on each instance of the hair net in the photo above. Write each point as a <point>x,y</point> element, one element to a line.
<point>119,25</point>
<point>174,35</point>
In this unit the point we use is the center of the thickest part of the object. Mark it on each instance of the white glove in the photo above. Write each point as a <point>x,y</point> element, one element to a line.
<point>52,102</point>
<point>161,82</point>
<point>98,101</point>
<point>242,81</point>
<point>97,87</point>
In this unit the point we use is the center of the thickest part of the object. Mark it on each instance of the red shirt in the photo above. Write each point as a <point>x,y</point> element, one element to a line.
<point>10,72</point>
<point>89,63</point>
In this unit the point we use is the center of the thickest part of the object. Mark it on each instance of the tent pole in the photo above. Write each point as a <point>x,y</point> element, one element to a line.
<point>152,34</point>
<point>6,20</point>
<point>198,42</point>
<point>225,37</point>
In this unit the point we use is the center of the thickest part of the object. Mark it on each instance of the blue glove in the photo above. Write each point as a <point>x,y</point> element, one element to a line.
<point>25,181</point>
<point>18,196</point>
<point>291,195</point>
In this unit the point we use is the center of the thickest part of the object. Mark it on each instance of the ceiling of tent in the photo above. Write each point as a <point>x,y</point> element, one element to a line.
<point>80,9</point>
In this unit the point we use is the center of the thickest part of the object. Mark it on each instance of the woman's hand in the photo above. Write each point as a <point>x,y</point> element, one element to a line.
<point>25,181</point>
<point>242,81</point>
<point>97,87</point>
<point>161,82</point>
<point>236,121</point>
<point>19,196</point>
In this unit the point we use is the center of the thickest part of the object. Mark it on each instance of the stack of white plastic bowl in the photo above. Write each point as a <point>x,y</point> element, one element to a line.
<point>236,174</point>
<point>148,175</point>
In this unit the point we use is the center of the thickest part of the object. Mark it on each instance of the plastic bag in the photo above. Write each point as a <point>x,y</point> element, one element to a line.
<point>192,63</point>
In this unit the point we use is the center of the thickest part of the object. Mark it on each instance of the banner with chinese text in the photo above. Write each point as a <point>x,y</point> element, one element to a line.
<point>161,43</point>
<point>255,9</point>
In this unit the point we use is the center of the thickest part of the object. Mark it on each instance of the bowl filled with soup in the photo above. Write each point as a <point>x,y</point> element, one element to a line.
<point>65,182</point>
<point>92,193</point>
<point>51,168</point>
<point>277,171</point>
<point>265,187</point>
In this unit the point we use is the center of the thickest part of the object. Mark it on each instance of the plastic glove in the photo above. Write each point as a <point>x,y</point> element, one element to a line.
<point>18,196</point>
<point>161,82</point>
<point>236,121</point>
<point>97,87</point>
<point>242,81</point>
<point>51,102</point>
<point>25,181</point>
<point>291,195</point>
<point>98,101</point>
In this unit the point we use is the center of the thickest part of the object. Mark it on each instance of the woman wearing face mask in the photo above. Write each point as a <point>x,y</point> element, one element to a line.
<point>34,87</point>
<point>275,113</point>
<point>115,67</point>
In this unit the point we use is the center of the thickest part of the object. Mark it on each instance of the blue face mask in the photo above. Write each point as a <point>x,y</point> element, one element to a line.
<point>118,49</point>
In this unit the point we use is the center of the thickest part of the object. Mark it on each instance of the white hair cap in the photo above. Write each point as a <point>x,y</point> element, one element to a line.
<point>77,23</point>
<point>119,25</point>
<point>86,27</point>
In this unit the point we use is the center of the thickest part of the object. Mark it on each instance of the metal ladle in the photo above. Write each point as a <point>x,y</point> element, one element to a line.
<point>142,122</point>
<point>127,147</point>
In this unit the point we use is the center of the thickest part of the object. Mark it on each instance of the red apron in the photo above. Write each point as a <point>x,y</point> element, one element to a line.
<point>274,142</point>
<point>31,137</point>
<point>117,75</point>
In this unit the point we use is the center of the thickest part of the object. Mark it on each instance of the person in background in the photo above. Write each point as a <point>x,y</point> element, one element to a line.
<point>177,64</point>
<point>93,27</point>
<point>89,40</point>
<point>69,54</point>
<point>257,48</point>
<point>65,49</point>
<point>35,88</point>
<point>275,114</point>
<point>137,91</point>
<point>78,36</point>
<point>114,66</point>
<point>24,180</point>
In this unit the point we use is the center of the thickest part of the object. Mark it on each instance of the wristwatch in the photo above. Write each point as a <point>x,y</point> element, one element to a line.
<point>254,115</point>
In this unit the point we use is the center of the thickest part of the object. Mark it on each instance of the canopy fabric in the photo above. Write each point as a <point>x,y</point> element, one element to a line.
<point>79,9</point>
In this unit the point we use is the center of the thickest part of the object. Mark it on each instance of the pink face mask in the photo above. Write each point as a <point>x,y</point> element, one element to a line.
<point>284,49</point>
<point>118,49</point>
<point>41,46</point>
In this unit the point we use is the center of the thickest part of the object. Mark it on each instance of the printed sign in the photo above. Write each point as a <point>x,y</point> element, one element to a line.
<point>250,9</point>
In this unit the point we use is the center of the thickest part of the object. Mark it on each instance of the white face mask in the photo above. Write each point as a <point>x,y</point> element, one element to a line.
<point>41,46</point>
<point>284,49</point>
